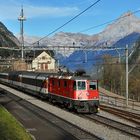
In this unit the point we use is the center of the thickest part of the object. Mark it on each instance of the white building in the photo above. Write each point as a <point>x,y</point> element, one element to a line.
<point>43,62</point>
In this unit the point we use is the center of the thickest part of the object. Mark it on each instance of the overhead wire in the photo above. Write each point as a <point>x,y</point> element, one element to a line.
<point>129,14</point>
<point>96,26</point>
<point>69,21</point>
<point>90,28</point>
<point>94,59</point>
<point>101,58</point>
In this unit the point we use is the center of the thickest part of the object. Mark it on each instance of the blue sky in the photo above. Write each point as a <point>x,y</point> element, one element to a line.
<point>43,16</point>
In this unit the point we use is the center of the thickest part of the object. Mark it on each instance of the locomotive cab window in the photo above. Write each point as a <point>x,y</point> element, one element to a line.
<point>93,85</point>
<point>81,85</point>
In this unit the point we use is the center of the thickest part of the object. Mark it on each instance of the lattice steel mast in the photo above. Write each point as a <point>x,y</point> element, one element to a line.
<point>21,19</point>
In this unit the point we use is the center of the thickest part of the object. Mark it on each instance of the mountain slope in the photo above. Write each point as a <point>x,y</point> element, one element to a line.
<point>129,40</point>
<point>125,25</point>
<point>124,30</point>
<point>7,39</point>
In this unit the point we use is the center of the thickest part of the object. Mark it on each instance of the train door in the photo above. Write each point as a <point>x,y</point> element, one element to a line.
<point>42,84</point>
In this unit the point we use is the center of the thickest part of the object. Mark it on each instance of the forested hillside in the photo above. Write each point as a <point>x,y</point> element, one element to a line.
<point>114,74</point>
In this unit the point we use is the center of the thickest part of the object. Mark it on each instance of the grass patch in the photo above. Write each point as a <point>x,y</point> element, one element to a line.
<point>10,129</point>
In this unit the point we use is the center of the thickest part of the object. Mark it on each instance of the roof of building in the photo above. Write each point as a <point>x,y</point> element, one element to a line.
<point>33,54</point>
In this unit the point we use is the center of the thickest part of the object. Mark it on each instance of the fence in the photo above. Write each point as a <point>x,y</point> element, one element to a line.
<point>119,102</point>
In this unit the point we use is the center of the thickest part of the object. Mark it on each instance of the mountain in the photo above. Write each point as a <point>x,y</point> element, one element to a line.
<point>126,24</point>
<point>124,30</point>
<point>68,39</point>
<point>7,39</point>
<point>130,40</point>
<point>29,40</point>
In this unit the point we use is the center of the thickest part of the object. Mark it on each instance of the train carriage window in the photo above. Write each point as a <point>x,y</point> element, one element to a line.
<point>81,85</point>
<point>93,85</point>
<point>40,82</point>
<point>28,81</point>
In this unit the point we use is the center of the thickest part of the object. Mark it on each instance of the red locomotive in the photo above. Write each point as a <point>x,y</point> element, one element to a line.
<point>79,93</point>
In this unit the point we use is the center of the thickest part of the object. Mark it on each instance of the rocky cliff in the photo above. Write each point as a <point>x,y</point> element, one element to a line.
<point>7,39</point>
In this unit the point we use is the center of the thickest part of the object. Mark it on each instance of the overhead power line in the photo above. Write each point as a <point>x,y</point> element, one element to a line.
<point>90,28</point>
<point>96,26</point>
<point>69,20</point>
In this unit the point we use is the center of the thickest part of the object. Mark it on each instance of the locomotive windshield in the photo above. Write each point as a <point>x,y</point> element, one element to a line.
<point>79,85</point>
<point>93,85</point>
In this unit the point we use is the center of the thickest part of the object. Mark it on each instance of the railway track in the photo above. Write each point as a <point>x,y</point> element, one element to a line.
<point>80,133</point>
<point>133,131</point>
<point>57,122</point>
<point>132,117</point>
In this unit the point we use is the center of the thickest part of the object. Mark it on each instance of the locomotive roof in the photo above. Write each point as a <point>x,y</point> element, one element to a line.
<point>72,77</point>
<point>53,75</point>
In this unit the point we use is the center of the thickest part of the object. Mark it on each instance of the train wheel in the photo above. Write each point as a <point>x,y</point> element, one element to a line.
<point>66,105</point>
<point>69,107</point>
<point>50,100</point>
<point>75,111</point>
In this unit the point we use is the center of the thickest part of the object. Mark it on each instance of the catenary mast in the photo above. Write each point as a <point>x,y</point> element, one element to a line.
<point>21,19</point>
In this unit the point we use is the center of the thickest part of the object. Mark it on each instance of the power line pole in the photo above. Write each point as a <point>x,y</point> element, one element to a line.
<point>21,19</point>
<point>126,51</point>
